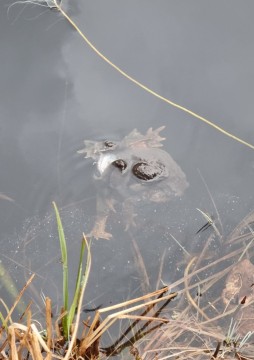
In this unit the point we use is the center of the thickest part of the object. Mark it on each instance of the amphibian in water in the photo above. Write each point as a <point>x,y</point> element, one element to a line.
<point>239,291</point>
<point>131,171</point>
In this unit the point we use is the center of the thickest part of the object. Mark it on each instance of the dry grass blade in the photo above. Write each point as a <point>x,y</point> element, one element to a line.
<point>48,322</point>
<point>22,337</point>
<point>12,342</point>
<point>17,301</point>
<point>192,302</point>
<point>150,318</point>
<point>36,350</point>
<point>141,298</point>
<point>141,266</point>
<point>110,319</point>
<point>183,333</point>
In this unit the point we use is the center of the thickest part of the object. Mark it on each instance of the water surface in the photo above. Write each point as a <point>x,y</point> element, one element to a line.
<point>56,92</point>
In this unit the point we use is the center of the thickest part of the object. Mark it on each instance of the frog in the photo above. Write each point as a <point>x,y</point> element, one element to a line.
<point>238,294</point>
<point>131,171</point>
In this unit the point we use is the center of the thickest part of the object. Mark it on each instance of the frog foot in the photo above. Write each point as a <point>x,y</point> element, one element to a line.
<point>151,139</point>
<point>98,231</point>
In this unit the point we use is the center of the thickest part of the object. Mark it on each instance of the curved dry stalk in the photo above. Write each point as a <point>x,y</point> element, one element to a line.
<point>17,300</point>
<point>35,335</point>
<point>95,332</point>
<point>189,297</point>
<point>208,266</point>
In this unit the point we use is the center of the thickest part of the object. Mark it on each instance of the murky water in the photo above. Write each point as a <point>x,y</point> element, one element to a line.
<point>56,92</point>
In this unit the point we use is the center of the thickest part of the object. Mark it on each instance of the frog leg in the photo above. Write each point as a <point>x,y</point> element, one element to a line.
<point>128,214</point>
<point>111,204</point>
<point>99,229</point>
<point>103,208</point>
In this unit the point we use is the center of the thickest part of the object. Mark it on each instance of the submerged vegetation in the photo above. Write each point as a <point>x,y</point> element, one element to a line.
<point>211,316</point>
<point>24,340</point>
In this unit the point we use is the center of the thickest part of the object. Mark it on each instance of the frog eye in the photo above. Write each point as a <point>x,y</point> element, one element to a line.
<point>148,171</point>
<point>143,171</point>
<point>120,164</point>
<point>109,144</point>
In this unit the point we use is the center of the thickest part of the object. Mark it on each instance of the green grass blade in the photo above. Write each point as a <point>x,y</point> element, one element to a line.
<point>82,279</point>
<point>65,268</point>
<point>7,282</point>
<point>77,288</point>
<point>88,265</point>
<point>2,318</point>
<point>80,298</point>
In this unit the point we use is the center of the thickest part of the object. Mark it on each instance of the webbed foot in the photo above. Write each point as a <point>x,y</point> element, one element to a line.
<point>99,231</point>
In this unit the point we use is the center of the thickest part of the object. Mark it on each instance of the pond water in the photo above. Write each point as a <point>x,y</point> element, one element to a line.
<point>56,93</point>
